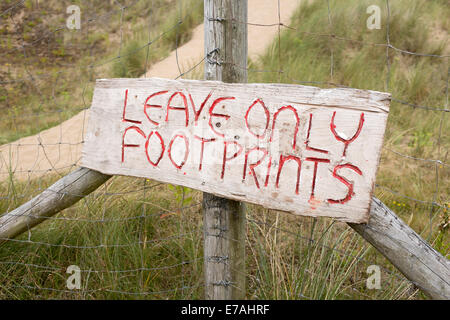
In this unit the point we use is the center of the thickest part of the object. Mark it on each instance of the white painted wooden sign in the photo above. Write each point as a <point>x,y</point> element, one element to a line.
<point>305,150</point>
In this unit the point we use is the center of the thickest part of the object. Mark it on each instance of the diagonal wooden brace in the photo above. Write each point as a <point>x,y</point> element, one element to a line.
<point>401,245</point>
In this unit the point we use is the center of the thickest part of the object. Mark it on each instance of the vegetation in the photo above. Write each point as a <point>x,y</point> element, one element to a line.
<point>360,61</point>
<point>133,241</point>
<point>47,69</point>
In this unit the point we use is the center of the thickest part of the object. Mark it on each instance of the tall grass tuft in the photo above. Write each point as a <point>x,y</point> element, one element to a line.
<point>133,241</point>
<point>131,64</point>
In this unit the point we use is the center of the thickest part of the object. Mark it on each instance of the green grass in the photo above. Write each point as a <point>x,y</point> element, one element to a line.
<point>119,234</point>
<point>361,63</point>
<point>53,79</point>
<point>135,244</point>
<point>288,257</point>
<point>305,56</point>
<point>173,31</point>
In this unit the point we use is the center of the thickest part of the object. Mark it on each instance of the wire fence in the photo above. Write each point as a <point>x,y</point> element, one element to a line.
<point>143,239</point>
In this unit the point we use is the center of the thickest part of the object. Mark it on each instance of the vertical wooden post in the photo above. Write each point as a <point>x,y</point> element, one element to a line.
<point>223,219</point>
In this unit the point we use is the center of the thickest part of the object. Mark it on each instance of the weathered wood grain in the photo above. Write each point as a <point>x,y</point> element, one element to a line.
<point>62,194</point>
<point>304,118</point>
<point>224,220</point>
<point>407,251</point>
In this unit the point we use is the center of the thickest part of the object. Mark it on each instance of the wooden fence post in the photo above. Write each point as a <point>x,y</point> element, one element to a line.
<point>223,219</point>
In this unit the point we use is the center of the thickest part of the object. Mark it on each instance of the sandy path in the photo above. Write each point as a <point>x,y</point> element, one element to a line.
<point>59,148</point>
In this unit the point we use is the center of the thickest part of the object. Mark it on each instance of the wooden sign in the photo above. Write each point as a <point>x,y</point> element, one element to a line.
<point>305,150</point>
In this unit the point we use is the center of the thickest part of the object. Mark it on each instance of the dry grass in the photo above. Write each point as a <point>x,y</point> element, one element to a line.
<point>288,257</point>
<point>52,79</point>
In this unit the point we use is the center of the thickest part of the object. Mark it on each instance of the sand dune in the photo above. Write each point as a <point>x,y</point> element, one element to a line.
<point>59,148</point>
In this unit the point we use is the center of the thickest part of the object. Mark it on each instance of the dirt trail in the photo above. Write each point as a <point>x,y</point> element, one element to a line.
<point>59,148</point>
